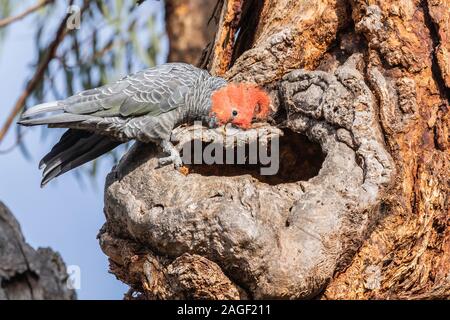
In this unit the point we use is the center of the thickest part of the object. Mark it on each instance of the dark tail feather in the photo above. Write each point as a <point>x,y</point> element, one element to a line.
<point>68,139</point>
<point>75,148</point>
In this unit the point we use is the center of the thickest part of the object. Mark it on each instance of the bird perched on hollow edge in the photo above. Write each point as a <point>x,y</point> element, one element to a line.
<point>145,106</point>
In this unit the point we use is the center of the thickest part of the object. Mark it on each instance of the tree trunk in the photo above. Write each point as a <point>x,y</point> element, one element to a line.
<point>359,208</point>
<point>25,273</point>
<point>190,26</point>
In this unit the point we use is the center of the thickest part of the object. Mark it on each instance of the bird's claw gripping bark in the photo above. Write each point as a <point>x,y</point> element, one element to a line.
<point>174,157</point>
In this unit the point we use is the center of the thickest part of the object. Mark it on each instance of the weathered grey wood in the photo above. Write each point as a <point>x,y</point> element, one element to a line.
<point>25,273</point>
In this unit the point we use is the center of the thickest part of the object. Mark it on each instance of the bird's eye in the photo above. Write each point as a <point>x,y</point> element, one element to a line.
<point>234,113</point>
<point>258,108</point>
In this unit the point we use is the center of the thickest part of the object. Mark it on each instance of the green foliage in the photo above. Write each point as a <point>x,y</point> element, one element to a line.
<point>5,11</point>
<point>115,38</point>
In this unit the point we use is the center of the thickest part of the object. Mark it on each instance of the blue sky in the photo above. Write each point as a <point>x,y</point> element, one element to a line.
<point>66,215</point>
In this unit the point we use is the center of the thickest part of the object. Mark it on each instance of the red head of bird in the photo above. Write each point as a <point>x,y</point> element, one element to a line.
<point>239,104</point>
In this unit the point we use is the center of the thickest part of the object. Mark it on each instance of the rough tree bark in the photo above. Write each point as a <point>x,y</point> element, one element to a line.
<point>25,273</point>
<point>360,206</point>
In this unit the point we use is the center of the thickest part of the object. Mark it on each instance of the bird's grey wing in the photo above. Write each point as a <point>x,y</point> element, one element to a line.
<point>153,91</point>
<point>108,97</point>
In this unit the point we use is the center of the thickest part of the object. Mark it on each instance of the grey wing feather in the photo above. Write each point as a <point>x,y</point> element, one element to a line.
<point>153,91</point>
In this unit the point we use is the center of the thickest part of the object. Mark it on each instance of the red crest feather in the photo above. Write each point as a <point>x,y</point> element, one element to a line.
<point>239,104</point>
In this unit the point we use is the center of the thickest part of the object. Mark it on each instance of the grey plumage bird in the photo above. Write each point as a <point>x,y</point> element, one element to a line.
<point>145,106</point>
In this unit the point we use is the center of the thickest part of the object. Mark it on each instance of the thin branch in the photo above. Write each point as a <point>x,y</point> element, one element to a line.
<point>39,74</point>
<point>91,58</point>
<point>17,143</point>
<point>6,21</point>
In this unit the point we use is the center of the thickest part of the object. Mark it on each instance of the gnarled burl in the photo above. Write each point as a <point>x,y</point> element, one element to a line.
<point>269,240</point>
<point>354,211</point>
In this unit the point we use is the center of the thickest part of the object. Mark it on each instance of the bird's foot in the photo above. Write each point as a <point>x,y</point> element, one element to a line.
<point>174,157</point>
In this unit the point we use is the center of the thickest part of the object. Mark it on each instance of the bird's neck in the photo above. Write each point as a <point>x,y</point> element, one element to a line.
<point>198,102</point>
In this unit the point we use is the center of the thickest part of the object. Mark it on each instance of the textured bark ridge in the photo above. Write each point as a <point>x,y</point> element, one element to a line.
<point>359,207</point>
<point>26,273</point>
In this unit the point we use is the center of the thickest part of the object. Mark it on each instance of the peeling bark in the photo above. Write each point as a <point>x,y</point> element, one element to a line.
<point>409,249</point>
<point>25,273</point>
<point>365,83</point>
<point>286,38</point>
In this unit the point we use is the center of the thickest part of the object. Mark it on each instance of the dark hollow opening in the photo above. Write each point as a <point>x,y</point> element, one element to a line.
<point>299,160</point>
